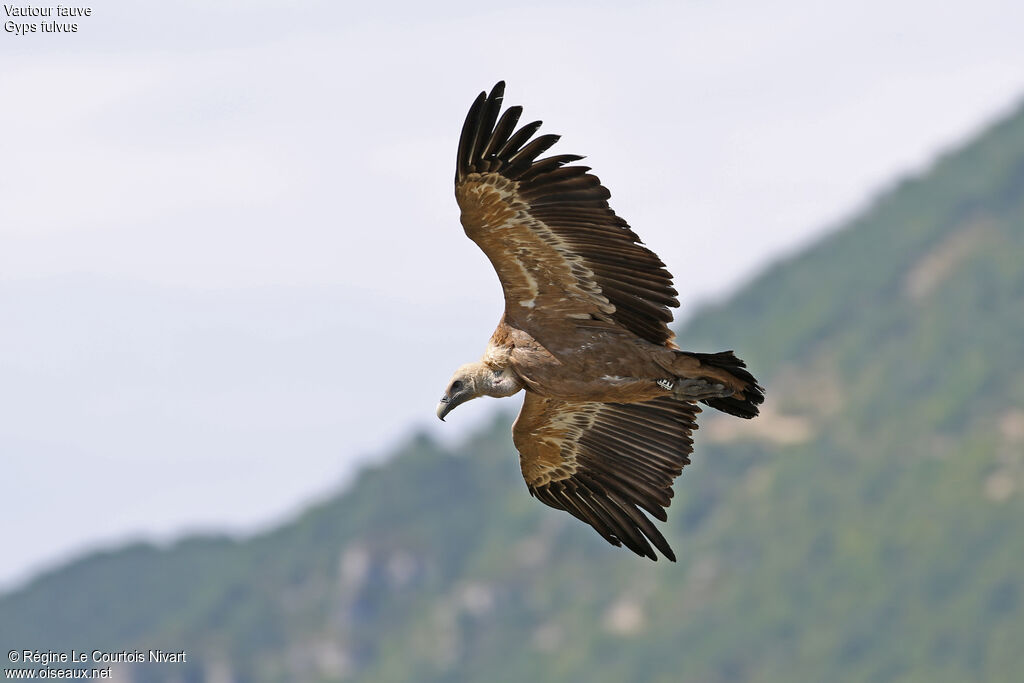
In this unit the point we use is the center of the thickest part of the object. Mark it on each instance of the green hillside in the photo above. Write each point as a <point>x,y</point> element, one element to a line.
<point>868,527</point>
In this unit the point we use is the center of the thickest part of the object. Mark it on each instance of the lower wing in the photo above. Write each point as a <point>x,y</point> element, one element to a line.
<point>603,462</point>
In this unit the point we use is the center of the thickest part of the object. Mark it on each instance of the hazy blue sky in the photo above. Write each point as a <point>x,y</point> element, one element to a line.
<point>230,260</point>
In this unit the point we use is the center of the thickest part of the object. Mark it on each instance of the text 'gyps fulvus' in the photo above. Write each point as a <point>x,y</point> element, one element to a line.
<point>610,400</point>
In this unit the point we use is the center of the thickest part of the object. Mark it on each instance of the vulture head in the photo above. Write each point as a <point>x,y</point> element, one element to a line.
<point>476,379</point>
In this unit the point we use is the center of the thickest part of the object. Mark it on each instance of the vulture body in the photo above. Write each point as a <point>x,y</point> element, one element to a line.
<point>611,402</point>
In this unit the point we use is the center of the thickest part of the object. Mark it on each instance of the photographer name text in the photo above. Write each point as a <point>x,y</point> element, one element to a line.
<point>48,657</point>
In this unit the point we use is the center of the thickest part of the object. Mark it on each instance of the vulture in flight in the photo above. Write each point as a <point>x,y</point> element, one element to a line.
<point>611,402</point>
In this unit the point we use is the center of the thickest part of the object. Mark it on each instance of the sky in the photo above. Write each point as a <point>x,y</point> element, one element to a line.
<point>231,268</point>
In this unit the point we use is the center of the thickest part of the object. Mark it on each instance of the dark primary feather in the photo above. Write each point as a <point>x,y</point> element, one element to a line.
<point>467,140</point>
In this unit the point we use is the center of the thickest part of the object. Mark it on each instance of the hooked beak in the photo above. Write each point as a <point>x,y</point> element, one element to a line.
<point>448,404</point>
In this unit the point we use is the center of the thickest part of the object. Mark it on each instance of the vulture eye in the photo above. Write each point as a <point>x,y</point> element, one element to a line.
<point>457,385</point>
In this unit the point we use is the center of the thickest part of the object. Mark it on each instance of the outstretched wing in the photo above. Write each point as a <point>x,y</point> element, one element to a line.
<point>602,462</point>
<point>561,253</point>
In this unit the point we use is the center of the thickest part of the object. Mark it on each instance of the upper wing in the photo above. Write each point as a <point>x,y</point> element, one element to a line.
<point>601,462</point>
<point>560,251</point>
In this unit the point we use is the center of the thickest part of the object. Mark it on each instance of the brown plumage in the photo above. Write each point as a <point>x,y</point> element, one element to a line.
<point>610,400</point>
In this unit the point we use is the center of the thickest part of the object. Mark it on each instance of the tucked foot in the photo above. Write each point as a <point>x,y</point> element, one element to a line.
<point>695,389</point>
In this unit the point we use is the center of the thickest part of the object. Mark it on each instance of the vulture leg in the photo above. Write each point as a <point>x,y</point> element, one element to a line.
<point>689,389</point>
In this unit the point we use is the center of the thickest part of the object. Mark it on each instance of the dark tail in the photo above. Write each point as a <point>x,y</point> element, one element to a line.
<point>753,393</point>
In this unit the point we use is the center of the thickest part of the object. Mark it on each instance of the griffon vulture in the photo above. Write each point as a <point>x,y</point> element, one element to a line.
<point>611,402</point>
